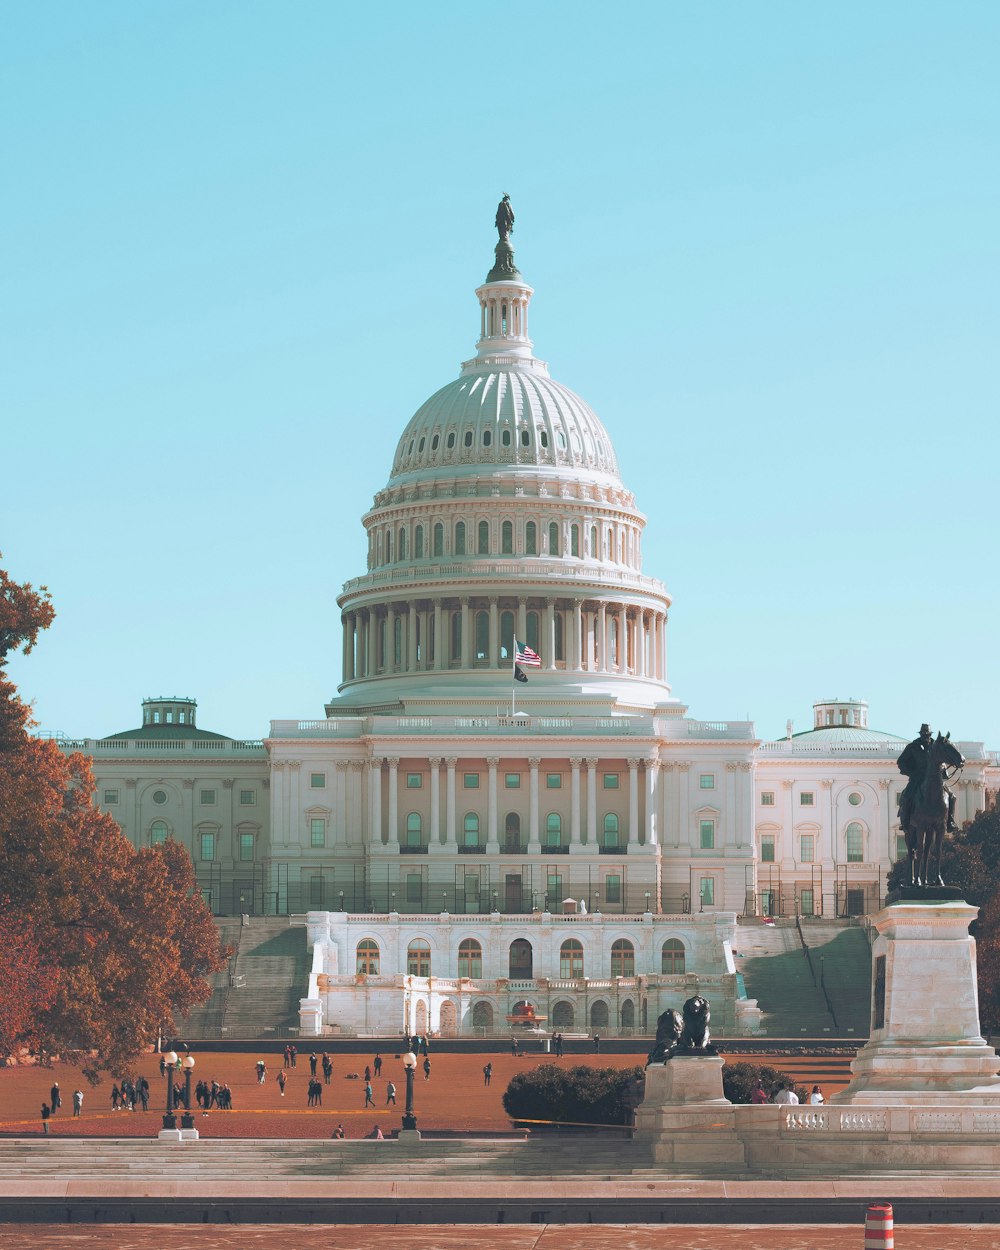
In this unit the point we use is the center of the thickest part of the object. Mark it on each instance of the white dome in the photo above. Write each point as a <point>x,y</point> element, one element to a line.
<point>514,417</point>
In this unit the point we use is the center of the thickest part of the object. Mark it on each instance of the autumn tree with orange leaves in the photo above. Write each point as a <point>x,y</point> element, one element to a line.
<point>102,946</point>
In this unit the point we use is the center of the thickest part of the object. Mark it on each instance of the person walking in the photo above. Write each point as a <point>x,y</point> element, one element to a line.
<point>786,1096</point>
<point>427,1069</point>
<point>487,1074</point>
<point>115,1096</point>
<point>143,1091</point>
<point>294,1052</point>
<point>77,1103</point>
<point>816,1098</point>
<point>281,1081</point>
<point>597,1043</point>
<point>261,1071</point>
<point>327,1068</point>
<point>46,1112</point>
<point>369,1100</point>
<point>758,1095</point>
<point>56,1097</point>
<point>368,1072</point>
<point>313,1060</point>
<point>378,1065</point>
<point>390,1094</point>
<point>287,1056</point>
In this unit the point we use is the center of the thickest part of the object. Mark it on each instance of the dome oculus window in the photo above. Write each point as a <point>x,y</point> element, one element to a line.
<point>159,797</point>
<point>855,799</point>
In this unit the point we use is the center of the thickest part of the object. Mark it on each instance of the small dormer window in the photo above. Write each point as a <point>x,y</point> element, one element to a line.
<point>181,717</point>
<point>468,438</point>
<point>420,446</point>
<point>409,450</point>
<point>487,437</point>
<point>543,437</point>
<point>156,718</point>
<point>170,718</point>
<point>434,442</point>
<point>525,438</point>
<point>451,440</point>
<point>505,438</point>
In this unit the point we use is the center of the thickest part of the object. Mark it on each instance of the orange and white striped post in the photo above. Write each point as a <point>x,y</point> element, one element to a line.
<point>878,1227</point>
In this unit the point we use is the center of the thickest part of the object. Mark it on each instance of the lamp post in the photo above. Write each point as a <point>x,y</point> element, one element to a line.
<point>170,1060</point>
<point>187,1119</point>
<point>410,1066</point>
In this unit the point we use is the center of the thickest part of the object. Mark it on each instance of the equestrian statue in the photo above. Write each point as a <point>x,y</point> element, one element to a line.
<point>927,806</point>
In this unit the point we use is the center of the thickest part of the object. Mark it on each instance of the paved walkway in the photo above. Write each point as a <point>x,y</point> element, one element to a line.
<point>502,1237</point>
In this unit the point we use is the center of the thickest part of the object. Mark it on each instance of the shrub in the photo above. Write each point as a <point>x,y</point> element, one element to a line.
<point>740,1079</point>
<point>579,1095</point>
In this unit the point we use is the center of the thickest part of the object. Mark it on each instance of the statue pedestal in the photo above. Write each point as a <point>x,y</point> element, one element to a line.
<point>685,1117</point>
<point>925,1046</point>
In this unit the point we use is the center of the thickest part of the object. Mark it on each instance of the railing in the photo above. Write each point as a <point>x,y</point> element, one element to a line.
<point>165,746</point>
<point>472,850</point>
<point>526,569</point>
<point>412,850</point>
<point>555,850</point>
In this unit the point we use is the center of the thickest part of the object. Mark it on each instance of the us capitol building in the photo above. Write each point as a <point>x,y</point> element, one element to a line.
<point>457,842</point>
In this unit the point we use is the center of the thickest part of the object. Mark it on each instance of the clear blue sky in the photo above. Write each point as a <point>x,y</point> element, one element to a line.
<point>240,246</point>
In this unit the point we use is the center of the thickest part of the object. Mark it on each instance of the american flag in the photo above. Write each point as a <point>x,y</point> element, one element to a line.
<point>523,654</point>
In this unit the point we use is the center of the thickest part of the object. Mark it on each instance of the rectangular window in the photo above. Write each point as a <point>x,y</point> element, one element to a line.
<point>553,781</point>
<point>807,799</point>
<point>767,848</point>
<point>767,798</point>
<point>414,887</point>
<point>246,846</point>
<point>512,781</point>
<point>806,903</point>
<point>316,890</point>
<point>613,888</point>
<point>553,892</point>
<point>707,891</point>
<point>611,781</point>
<point>208,846</point>
<point>807,848</point>
<point>706,781</point>
<point>471,781</point>
<point>110,797</point>
<point>414,781</point>
<point>901,851</point>
<point>317,781</point>
<point>248,798</point>
<point>317,831</point>
<point>855,844</point>
<point>208,798</point>
<point>706,833</point>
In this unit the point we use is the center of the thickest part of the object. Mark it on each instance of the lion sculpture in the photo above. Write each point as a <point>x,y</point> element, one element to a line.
<point>669,1027</point>
<point>695,1038</point>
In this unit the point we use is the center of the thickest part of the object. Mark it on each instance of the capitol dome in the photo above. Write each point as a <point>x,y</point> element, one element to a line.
<point>504,518</point>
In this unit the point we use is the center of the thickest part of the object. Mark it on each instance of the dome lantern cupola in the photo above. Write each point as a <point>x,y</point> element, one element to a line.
<point>503,301</point>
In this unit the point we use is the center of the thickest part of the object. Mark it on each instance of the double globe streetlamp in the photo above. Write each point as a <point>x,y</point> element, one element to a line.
<point>409,1066</point>
<point>187,1063</point>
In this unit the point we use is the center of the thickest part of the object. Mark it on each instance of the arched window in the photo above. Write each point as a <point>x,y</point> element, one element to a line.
<point>470,958</point>
<point>519,960</point>
<point>599,1015</point>
<point>512,833</point>
<point>414,829</point>
<point>531,627</point>
<point>157,833</point>
<point>368,957</point>
<point>507,538</point>
<point>388,546</point>
<point>505,438</point>
<point>672,957</point>
<point>563,1015</point>
<point>456,636</point>
<point>470,830</point>
<point>460,538</point>
<point>531,539</point>
<point>594,553</point>
<point>574,540</point>
<point>482,635</point>
<point>418,958</point>
<point>397,641</point>
<point>855,839</point>
<point>553,829</point>
<point>621,546</point>
<point>418,543</point>
<point>571,958</point>
<point>484,538</point>
<point>439,539</point>
<point>506,635</point>
<point>611,829</point>
<point>560,647</point>
<point>622,958</point>
<point>482,1014</point>
<point>628,1014</point>
<point>553,538</point>
<point>401,547</point>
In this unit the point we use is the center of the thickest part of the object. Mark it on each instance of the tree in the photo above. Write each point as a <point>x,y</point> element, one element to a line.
<point>116,940</point>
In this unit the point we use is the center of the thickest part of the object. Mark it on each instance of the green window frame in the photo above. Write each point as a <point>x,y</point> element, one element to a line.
<point>317,832</point>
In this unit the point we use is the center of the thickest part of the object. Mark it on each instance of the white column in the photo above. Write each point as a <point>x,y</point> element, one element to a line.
<point>295,812</point>
<point>622,640</point>
<point>345,662</point>
<point>466,635</point>
<point>390,640</point>
<point>393,838</point>
<point>593,837</point>
<point>534,845</point>
<point>434,834</point>
<point>492,838</point>
<point>575,832</point>
<point>652,796</point>
<point>277,804</point>
<point>340,803</point>
<point>493,659</point>
<point>440,642</point>
<point>375,802</point>
<point>372,660</point>
<point>449,817</point>
<point>549,659</point>
<point>633,802</point>
<point>602,638</point>
<point>640,643</point>
<point>522,620</point>
<point>577,635</point>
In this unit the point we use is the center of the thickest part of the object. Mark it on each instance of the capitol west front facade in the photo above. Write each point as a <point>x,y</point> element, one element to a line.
<point>580,844</point>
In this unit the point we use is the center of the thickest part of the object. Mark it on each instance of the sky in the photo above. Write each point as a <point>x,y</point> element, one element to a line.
<point>240,247</point>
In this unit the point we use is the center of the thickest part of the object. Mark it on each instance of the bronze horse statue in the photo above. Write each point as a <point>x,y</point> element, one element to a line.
<point>930,812</point>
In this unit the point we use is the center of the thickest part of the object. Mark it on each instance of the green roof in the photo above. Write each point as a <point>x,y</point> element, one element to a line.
<point>166,733</point>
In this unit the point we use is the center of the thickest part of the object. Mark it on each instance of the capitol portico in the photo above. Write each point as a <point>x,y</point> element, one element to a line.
<point>455,840</point>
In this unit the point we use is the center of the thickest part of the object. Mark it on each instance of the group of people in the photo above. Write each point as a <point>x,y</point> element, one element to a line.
<point>126,1096</point>
<point>786,1096</point>
<point>315,1092</point>
<point>208,1095</point>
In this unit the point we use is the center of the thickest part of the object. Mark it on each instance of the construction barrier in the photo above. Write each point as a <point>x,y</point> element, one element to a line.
<point>878,1227</point>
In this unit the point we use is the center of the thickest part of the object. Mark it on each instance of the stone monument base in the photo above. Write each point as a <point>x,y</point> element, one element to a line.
<point>685,1117</point>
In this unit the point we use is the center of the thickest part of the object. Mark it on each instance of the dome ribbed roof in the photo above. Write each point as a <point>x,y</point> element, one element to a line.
<point>514,416</point>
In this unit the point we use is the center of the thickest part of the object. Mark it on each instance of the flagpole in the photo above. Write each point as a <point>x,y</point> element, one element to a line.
<point>513,679</point>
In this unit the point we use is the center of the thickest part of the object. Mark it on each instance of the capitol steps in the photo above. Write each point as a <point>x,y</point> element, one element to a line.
<point>778,975</point>
<point>272,972</point>
<point>207,1020</point>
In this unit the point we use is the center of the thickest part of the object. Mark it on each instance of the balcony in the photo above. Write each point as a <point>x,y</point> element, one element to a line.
<point>555,850</point>
<point>412,850</point>
<point>607,849</point>
<point>472,850</point>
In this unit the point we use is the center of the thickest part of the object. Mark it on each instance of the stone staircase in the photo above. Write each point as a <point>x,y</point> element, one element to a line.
<point>271,972</point>
<point>207,1020</point>
<point>786,981</point>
